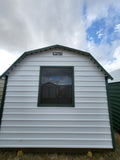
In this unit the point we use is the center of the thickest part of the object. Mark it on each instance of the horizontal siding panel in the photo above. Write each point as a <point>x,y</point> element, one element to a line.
<point>56,144</point>
<point>91,79</point>
<point>81,110</point>
<point>23,83</point>
<point>91,94</point>
<point>21,73</point>
<point>53,135</point>
<point>87,74</point>
<point>35,73</point>
<point>77,80</point>
<point>82,69</point>
<point>104,122</point>
<point>80,83</point>
<point>34,99</point>
<point>78,93</point>
<point>21,104</point>
<point>86,68</point>
<point>22,93</point>
<point>56,59</point>
<point>37,68</point>
<point>54,116</point>
<point>77,99</point>
<point>55,128</point>
<point>19,88</point>
<point>23,77</point>
<point>34,104</point>
<point>21,99</point>
<point>90,88</point>
<point>36,78</point>
<point>93,102</point>
<point>90,99</point>
<point>59,63</point>
<point>55,109</point>
<point>6,145</point>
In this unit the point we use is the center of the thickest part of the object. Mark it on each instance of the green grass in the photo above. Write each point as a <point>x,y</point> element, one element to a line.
<point>105,155</point>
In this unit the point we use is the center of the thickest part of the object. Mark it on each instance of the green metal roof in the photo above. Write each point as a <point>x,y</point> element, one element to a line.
<point>58,47</point>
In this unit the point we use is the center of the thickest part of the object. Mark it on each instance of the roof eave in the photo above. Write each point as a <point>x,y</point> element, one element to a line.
<point>101,68</point>
<point>53,47</point>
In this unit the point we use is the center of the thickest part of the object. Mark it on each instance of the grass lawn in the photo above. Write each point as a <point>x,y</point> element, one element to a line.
<point>105,155</point>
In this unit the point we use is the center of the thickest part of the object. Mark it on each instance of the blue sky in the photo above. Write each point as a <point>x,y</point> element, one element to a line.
<point>58,80</point>
<point>88,25</point>
<point>102,30</point>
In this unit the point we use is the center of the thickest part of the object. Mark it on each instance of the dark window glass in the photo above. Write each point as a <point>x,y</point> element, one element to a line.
<point>56,85</point>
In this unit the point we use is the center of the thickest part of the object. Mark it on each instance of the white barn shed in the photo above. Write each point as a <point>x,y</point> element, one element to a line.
<point>56,97</point>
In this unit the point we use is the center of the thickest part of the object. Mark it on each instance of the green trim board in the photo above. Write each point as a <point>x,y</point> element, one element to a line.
<point>1,89</point>
<point>3,99</point>
<point>110,113</point>
<point>57,47</point>
<point>56,105</point>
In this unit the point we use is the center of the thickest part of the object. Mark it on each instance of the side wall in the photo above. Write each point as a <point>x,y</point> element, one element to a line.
<point>114,92</point>
<point>86,125</point>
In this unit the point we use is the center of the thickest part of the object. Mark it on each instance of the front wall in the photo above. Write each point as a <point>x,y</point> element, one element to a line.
<point>86,125</point>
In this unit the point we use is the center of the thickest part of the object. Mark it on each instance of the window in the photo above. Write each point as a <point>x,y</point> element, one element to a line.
<point>56,86</point>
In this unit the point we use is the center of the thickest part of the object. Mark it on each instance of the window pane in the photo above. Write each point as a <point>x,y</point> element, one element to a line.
<point>56,85</point>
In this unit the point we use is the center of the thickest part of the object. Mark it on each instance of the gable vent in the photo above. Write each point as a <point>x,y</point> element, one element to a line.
<point>57,53</point>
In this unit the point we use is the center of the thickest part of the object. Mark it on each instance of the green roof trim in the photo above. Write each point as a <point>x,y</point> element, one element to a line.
<point>60,47</point>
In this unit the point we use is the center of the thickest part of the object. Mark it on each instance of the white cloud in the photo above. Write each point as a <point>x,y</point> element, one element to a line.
<point>115,63</point>
<point>26,25</point>
<point>100,34</point>
<point>97,10</point>
<point>117,28</point>
<point>6,59</point>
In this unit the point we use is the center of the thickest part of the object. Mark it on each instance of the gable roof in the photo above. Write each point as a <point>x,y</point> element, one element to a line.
<point>57,47</point>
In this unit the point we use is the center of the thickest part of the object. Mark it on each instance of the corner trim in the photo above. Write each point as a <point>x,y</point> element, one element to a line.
<point>110,114</point>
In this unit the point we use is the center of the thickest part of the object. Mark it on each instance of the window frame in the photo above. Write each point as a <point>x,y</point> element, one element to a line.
<point>56,105</point>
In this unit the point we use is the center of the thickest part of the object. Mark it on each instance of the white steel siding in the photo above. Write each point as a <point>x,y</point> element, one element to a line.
<point>86,125</point>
